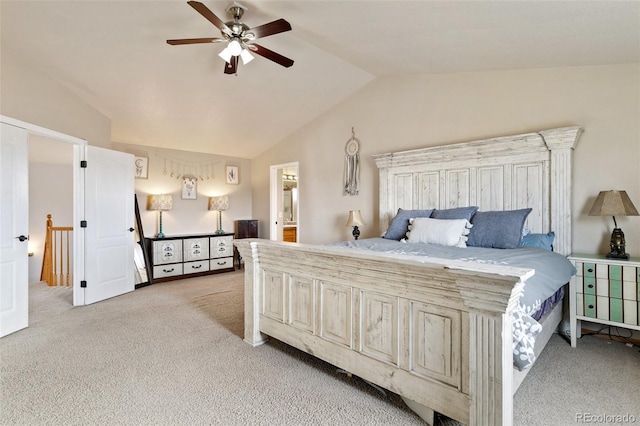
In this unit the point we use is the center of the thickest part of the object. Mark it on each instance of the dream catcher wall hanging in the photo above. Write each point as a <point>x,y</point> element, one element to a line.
<point>352,165</point>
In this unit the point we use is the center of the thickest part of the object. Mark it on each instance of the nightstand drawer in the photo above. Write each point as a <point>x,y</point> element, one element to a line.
<point>615,289</point>
<point>615,310</point>
<point>221,263</point>
<point>589,306</point>
<point>589,285</point>
<point>588,270</point>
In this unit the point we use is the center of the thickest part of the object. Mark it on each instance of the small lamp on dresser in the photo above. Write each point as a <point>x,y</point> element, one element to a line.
<point>614,203</point>
<point>160,203</point>
<point>219,204</point>
<point>355,220</point>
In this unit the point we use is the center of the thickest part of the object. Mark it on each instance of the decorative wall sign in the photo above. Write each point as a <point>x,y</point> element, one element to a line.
<point>177,168</point>
<point>142,167</point>
<point>352,166</point>
<point>232,175</point>
<point>189,188</point>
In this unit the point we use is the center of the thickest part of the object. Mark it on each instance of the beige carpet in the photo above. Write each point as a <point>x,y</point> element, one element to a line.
<point>172,354</point>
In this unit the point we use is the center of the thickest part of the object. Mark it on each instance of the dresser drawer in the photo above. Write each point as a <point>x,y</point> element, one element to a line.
<point>193,267</point>
<point>195,249</point>
<point>221,263</point>
<point>221,246</point>
<point>172,270</point>
<point>169,251</point>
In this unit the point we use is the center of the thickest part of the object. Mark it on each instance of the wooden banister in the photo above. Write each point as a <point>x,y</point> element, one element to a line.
<point>56,260</point>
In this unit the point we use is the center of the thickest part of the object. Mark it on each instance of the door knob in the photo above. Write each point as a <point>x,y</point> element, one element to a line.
<point>22,238</point>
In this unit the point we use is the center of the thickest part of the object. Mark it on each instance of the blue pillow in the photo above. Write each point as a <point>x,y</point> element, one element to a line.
<point>497,229</point>
<point>455,213</point>
<point>400,223</point>
<point>544,241</point>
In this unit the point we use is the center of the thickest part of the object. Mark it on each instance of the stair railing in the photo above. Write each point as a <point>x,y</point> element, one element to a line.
<point>56,261</point>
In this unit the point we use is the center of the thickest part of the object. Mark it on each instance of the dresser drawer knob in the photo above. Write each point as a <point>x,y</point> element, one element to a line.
<point>590,286</point>
<point>168,270</point>
<point>590,270</point>
<point>196,267</point>
<point>590,306</point>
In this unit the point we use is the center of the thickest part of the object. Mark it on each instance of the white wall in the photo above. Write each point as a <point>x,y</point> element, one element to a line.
<point>393,114</point>
<point>190,216</point>
<point>33,97</point>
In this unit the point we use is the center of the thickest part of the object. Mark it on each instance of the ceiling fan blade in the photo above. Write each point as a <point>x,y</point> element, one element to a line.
<point>232,67</point>
<point>210,16</point>
<point>271,28</point>
<point>194,41</point>
<point>270,54</point>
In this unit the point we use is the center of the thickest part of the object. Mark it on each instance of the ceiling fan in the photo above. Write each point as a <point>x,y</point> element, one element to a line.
<point>239,37</point>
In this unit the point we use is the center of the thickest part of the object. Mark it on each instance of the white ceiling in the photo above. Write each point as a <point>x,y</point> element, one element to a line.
<point>114,55</point>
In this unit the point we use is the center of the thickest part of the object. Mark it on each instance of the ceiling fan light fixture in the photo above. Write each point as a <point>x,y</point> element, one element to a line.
<point>239,37</point>
<point>246,56</point>
<point>235,48</point>
<point>226,55</point>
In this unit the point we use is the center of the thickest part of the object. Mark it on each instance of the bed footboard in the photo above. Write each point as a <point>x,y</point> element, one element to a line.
<point>433,332</point>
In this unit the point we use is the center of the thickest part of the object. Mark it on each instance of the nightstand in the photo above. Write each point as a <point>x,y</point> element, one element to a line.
<point>604,291</point>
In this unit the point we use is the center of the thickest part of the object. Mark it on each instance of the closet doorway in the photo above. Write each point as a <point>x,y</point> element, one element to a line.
<point>285,203</point>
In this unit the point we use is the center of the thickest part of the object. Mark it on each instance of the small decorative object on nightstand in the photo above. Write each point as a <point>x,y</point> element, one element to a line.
<point>614,203</point>
<point>160,203</point>
<point>355,220</point>
<point>219,204</point>
<point>604,291</point>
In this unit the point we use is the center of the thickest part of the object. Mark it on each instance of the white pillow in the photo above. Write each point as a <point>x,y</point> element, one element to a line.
<point>445,232</point>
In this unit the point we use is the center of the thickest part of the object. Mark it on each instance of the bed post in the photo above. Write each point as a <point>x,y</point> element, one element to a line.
<point>561,143</point>
<point>248,250</point>
<point>490,351</point>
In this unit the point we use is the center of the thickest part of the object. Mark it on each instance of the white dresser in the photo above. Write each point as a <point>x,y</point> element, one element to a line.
<point>183,256</point>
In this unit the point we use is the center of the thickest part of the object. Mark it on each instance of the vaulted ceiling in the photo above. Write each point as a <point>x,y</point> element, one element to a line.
<point>114,55</point>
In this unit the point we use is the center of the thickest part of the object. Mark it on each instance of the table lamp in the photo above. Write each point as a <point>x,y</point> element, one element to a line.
<point>160,203</point>
<point>219,204</point>
<point>355,220</point>
<point>614,203</point>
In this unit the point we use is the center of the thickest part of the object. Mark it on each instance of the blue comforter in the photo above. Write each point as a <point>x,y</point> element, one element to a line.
<point>552,271</point>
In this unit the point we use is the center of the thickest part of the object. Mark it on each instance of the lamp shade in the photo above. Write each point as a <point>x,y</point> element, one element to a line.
<point>226,55</point>
<point>355,218</point>
<point>613,203</point>
<point>161,202</point>
<point>219,203</point>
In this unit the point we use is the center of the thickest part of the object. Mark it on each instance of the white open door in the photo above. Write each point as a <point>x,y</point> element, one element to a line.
<point>110,218</point>
<point>14,195</point>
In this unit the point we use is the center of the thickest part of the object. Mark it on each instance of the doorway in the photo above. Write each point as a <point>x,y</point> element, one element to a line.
<point>102,194</point>
<point>285,202</point>
<point>50,192</point>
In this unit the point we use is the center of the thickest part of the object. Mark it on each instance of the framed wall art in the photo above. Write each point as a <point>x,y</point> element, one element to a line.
<point>142,167</point>
<point>232,175</point>
<point>189,188</point>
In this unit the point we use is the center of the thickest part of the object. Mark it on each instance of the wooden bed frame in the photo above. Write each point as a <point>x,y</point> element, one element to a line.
<point>437,332</point>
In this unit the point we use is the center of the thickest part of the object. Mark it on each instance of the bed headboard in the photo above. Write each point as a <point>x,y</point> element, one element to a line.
<point>505,173</point>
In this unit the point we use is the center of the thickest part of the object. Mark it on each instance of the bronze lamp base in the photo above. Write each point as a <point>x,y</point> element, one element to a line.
<point>617,245</point>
